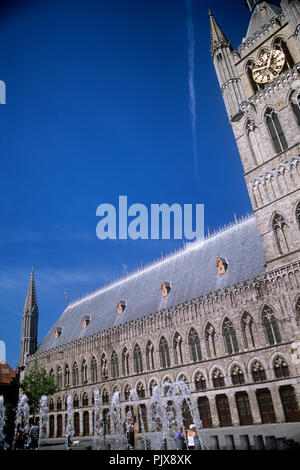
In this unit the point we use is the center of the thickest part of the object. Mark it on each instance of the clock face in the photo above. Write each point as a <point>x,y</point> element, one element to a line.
<point>269,66</point>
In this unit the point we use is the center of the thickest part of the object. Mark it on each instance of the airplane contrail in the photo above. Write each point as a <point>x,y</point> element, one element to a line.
<point>191,72</point>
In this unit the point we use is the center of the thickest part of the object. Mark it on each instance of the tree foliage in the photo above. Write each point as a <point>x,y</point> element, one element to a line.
<point>37,383</point>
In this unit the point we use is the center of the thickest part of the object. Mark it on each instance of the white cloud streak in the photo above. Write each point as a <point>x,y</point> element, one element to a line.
<point>191,74</point>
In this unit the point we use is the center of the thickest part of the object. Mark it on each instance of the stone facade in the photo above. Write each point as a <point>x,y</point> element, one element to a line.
<point>232,346</point>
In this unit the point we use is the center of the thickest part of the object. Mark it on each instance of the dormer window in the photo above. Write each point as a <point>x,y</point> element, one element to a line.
<point>85,320</point>
<point>121,305</point>
<point>222,266</point>
<point>57,332</point>
<point>165,288</point>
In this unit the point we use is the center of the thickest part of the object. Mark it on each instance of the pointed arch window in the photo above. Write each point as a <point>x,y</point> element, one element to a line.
<point>200,382</point>
<point>125,362</point>
<point>75,401</point>
<point>59,377</point>
<point>229,335</point>
<point>114,365</point>
<point>137,360</point>
<point>194,344</point>
<point>298,312</point>
<point>94,374</point>
<point>254,141</point>
<point>298,215</point>
<point>105,397</point>
<point>75,374</point>
<point>177,347</point>
<point>164,353</point>
<point>295,103</point>
<point>127,392</point>
<point>237,376</point>
<point>84,372</point>
<point>275,130</point>
<point>51,405</point>
<point>210,334</point>
<point>67,375</point>
<point>258,372</point>
<point>270,323</point>
<point>85,399</point>
<point>150,356</point>
<point>58,404</point>
<point>247,330</point>
<point>151,387</point>
<point>140,389</point>
<point>281,369</point>
<point>218,379</point>
<point>281,45</point>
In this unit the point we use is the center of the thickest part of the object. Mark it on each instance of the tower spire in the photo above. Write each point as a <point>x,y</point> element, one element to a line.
<point>217,37</point>
<point>29,321</point>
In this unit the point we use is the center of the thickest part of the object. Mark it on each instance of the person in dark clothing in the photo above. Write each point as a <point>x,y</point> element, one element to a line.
<point>34,436</point>
<point>19,444</point>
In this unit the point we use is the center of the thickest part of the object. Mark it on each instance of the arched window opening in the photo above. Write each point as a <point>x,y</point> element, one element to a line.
<point>164,353</point>
<point>140,389</point>
<point>105,397</point>
<point>244,409</point>
<point>58,404</point>
<point>271,326</point>
<point>280,45</point>
<point>85,399</point>
<point>194,344</point>
<point>289,403</point>
<point>151,387</point>
<point>298,215</point>
<point>295,103</point>
<point>137,360</point>
<point>223,410</point>
<point>127,392</point>
<point>218,379</point>
<point>230,339</point>
<point>94,375</point>
<point>67,375</point>
<point>200,382</point>
<point>59,377</point>
<point>114,365</point>
<point>75,374</point>
<point>298,312</point>
<point>237,376</point>
<point>275,130</point>
<point>258,372</point>
<point>281,369</point>
<point>280,228</point>
<point>177,347</point>
<point>51,405</point>
<point>75,401</point>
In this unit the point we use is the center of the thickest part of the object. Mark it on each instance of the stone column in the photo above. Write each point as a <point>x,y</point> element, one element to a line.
<point>233,409</point>
<point>254,406</point>
<point>213,411</point>
<point>277,403</point>
<point>80,423</point>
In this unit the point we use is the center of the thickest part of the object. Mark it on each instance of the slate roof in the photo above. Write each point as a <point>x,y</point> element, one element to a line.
<point>258,19</point>
<point>191,272</point>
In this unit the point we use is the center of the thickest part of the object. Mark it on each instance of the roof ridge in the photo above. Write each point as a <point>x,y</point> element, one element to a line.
<point>157,261</point>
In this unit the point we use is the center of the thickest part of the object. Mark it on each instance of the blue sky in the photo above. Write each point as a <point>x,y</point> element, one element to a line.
<point>97,107</point>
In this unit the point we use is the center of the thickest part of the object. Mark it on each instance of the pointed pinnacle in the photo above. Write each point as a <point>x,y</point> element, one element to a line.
<point>217,37</point>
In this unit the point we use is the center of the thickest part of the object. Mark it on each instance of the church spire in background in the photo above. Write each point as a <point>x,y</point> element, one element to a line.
<point>29,322</point>
<point>217,37</point>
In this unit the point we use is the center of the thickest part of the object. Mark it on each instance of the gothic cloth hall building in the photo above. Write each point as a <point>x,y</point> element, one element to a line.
<point>223,313</point>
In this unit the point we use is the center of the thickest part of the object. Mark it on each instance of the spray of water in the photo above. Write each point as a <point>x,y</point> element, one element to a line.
<point>69,426</point>
<point>191,73</point>
<point>22,416</point>
<point>3,444</point>
<point>43,418</point>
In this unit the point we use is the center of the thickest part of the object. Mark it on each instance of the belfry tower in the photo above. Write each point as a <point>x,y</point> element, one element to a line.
<point>29,323</point>
<point>260,84</point>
